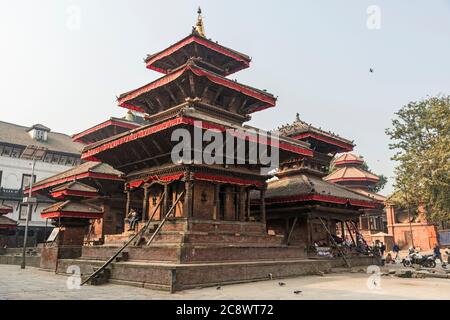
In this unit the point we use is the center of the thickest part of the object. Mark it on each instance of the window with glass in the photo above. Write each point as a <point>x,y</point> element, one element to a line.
<point>26,180</point>
<point>40,135</point>
<point>62,160</point>
<point>23,212</point>
<point>56,158</point>
<point>6,151</point>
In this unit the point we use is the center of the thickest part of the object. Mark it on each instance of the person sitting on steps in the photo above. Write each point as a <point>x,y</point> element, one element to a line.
<point>133,218</point>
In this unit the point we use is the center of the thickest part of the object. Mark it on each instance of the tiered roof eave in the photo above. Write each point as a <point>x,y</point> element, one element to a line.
<point>165,60</point>
<point>145,99</point>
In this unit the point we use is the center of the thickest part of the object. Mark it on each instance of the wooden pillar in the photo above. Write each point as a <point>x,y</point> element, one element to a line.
<point>217,202</point>
<point>241,204</point>
<point>145,203</point>
<point>342,230</point>
<point>263,205</point>
<point>248,205</point>
<point>165,200</point>
<point>188,196</point>
<point>127,206</point>
<point>286,229</point>
<point>330,229</point>
<point>309,227</point>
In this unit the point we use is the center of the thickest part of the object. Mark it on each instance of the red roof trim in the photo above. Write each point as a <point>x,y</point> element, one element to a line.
<point>344,162</point>
<point>138,183</point>
<point>200,41</point>
<point>77,137</point>
<point>71,214</point>
<point>267,100</point>
<point>95,175</point>
<point>225,179</point>
<point>322,198</point>
<point>343,145</point>
<point>352,179</point>
<point>177,121</point>
<point>73,193</point>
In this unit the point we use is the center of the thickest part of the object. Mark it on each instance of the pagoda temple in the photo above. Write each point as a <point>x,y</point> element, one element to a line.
<point>198,225</point>
<point>301,205</point>
<point>349,172</point>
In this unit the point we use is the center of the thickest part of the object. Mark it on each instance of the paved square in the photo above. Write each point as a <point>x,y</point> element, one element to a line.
<point>33,283</point>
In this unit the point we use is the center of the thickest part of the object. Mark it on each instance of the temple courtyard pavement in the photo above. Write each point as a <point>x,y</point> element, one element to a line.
<point>33,283</point>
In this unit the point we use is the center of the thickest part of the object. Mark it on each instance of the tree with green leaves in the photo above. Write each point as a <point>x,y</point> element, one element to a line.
<point>380,184</point>
<point>421,137</point>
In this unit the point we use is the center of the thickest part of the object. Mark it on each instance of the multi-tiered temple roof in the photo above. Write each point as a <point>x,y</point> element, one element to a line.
<point>300,180</point>
<point>349,172</point>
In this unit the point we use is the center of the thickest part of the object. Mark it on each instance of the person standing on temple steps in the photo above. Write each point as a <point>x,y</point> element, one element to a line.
<point>133,218</point>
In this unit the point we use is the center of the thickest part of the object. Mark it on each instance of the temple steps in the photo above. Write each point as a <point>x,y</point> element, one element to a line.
<point>193,237</point>
<point>175,276</point>
<point>187,253</point>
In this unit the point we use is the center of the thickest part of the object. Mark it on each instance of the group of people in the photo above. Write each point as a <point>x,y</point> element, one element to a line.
<point>437,255</point>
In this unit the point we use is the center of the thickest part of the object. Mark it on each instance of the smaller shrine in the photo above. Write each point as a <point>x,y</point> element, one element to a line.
<point>94,181</point>
<point>307,210</point>
<point>349,172</point>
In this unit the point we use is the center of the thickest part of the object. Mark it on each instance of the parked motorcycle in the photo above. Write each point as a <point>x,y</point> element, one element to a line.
<point>426,261</point>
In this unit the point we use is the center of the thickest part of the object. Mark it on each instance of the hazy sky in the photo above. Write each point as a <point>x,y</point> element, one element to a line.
<point>315,55</point>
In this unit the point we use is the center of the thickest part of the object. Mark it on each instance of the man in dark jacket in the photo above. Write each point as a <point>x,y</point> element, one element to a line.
<point>396,250</point>
<point>437,255</point>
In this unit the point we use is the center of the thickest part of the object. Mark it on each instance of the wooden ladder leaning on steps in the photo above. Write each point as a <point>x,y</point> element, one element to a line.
<point>139,234</point>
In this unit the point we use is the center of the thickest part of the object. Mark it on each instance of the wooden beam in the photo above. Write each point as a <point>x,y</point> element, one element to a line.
<point>205,90</point>
<point>334,242</point>
<point>172,59</point>
<point>181,89</point>
<point>156,144</point>
<point>219,91</point>
<point>230,105</point>
<point>149,106</point>
<point>147,152</point>
<point>292,230</point>
<point>143,160</point>
<point>170,94</point>
<point>161,105</point>
<point>242,106</point>
<point>192,85</point>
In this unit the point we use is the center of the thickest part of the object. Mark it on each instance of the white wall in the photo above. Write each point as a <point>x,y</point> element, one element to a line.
<point>13,169</point>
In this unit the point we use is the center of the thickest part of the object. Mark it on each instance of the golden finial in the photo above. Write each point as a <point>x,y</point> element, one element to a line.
<point>199,27</point>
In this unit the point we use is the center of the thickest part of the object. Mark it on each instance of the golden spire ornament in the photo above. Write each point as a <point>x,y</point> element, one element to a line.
<point>199,27</point>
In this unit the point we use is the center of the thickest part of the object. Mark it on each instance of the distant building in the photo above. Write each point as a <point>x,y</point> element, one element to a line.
<point>15,173</point>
